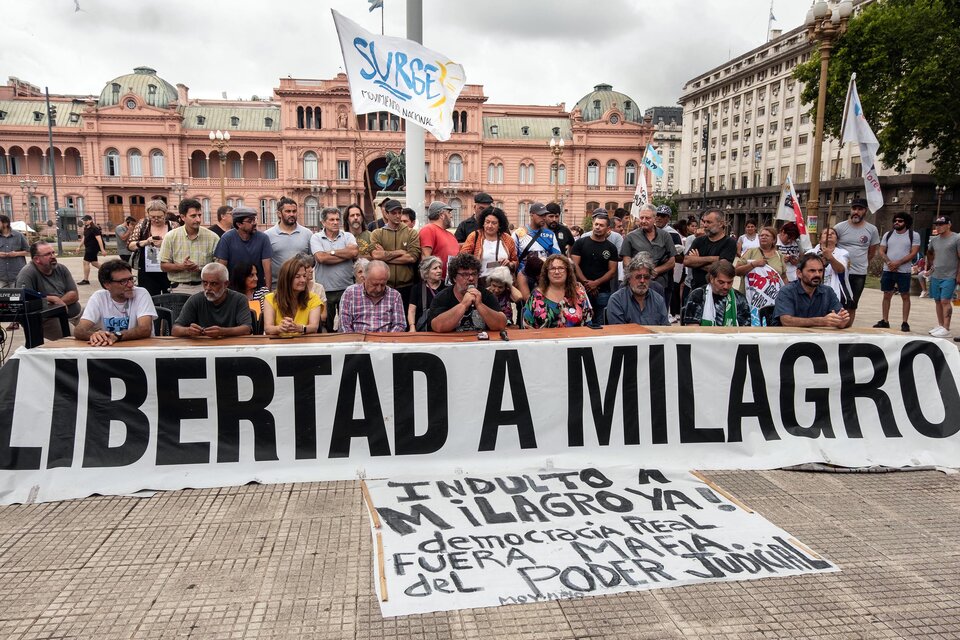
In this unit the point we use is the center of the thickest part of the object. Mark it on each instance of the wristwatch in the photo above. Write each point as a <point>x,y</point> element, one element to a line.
<point>333,252</point>
<point>118,335</point>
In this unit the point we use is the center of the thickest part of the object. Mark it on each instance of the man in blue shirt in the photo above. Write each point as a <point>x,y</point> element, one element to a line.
<point>636,303</point>
<point>244,243</point>
<point>806,302</point>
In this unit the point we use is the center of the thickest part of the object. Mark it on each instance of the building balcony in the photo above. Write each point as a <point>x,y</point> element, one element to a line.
<point>14,180</point>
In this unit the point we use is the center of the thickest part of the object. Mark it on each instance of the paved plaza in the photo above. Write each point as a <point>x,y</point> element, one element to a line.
<point>296,561</point>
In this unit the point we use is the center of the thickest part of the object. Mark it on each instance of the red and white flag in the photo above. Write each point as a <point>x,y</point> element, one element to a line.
<point>789,207</point>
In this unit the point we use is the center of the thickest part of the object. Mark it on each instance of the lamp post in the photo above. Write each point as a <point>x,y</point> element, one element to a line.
<point>317,189</point>
<point>179,188</point>
<point>29,188</point>
<point>826,22</point>
<point>940,189</point>
<point>221,141</point>
<point>556,148</point>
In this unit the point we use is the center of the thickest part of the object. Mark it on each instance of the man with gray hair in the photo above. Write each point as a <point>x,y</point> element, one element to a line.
<point>649,238</point>
<point>635,303</point>
<point>372,307</point>
<point>334,250</point>
<point>217,312</point>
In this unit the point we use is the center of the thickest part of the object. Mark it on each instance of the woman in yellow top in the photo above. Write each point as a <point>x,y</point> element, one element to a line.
<point>292,309</point>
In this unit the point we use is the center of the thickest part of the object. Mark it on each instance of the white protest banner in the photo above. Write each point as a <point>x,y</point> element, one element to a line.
<point>399,76</point>
<point>640,197</point>
<point>762,285</point>
<point>78,421</point>
<point>535,536</point>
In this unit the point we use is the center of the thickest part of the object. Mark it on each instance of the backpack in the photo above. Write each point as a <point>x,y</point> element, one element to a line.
<point>886,239</point>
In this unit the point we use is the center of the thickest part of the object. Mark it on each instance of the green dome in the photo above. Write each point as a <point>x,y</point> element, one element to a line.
<point>144,82</point>
<point>603,97</point>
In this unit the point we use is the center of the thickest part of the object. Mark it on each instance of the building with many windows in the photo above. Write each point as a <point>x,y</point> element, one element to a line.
<point>143,138</point>
<point>745,129</point>
<point>667,135</point>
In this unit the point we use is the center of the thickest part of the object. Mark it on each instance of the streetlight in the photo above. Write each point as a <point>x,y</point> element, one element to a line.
<point>29,188</point>
<point>179,188</point>
<point>556,148</point>
<point>826,22</point>
<point>940,189</point>
<point>220,141</point>
<point>317,189</point>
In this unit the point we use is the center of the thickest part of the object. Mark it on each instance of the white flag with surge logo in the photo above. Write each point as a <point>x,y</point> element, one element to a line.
<point>399,76</point>
<point>856,129</point>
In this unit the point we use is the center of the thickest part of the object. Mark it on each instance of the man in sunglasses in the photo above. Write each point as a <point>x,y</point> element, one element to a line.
<point>118,312</point>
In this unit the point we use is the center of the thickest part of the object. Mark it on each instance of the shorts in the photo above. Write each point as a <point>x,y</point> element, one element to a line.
<point>894,279</point>
<point>857,283</point>
<point>942,288</point>
<point>90,255</point>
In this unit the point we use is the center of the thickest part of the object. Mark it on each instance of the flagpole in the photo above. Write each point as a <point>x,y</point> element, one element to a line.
<point>843,125</point>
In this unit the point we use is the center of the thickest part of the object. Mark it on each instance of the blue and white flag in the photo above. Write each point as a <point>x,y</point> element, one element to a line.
<point>856,129</point>
<point>653,161</point>
<point>399,76</point>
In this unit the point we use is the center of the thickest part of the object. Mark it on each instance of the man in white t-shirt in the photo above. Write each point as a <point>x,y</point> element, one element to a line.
<point>119,311</point>
<point>898,248</point>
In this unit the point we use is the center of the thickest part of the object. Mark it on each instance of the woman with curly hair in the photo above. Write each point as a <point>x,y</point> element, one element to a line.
<point>559,301</point>
<point>293,308</point>
<point>492,244</point>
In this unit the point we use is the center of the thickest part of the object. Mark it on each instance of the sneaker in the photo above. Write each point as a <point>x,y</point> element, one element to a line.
<point>905,327</point>
<point>83,282</point>
<point>940,332</point>
<point>924,294</point>
<point>883,324</point>
<point>935,329</point>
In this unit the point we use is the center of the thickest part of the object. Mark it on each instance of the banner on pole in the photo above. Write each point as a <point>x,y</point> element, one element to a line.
<point>399,76</point>
<point>542,535</point>
<point>640,196</point>
<point>653,161</point>
<point>789,206</point>
<point>78,421</point>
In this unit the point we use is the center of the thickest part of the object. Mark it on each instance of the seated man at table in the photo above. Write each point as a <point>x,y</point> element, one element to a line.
<point>717,303</point>
<point>464,307</point>
<point>55,281</point>
<point>636,303</point>
<point>217,312</point>
<point>807,302</point>
<point>372,306</point>
<point>119,311</point>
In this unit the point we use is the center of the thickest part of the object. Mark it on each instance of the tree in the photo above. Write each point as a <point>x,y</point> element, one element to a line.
<point>669,201</point>
<point>906,54</point>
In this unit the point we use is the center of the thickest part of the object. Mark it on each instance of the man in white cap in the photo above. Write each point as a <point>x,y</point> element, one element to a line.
<point>435,240</point>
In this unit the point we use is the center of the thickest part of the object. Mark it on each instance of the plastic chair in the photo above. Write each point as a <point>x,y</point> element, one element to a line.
<point>172,301</point>
<point>163,325</point>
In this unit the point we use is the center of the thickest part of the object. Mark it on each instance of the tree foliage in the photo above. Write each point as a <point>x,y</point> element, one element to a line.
<point>906,54</point>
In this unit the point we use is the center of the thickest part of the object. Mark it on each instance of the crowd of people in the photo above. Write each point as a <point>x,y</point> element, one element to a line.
<point>389,276</point>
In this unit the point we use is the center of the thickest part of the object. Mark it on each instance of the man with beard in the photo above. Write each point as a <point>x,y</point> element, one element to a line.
<point>399,246</point>
<point>119,311</point>
<point>806,302</point>
<point>244,243</point>
<point>861,240</point>
<point>595,260</point>
<point>717,303</point>
<point>435,240</point>
<point>561,232</point>
<point>54,280</point>
<point>217,312</point>
<point>464,307</point>
<point>288,237</point>
<point>355,226</point>
<point>713,246</point>
<point>187,249</point>
<point>635,303</point>
<point>334,250</point>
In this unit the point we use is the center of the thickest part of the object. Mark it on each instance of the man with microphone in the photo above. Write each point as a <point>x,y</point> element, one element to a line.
<point>464,307</point>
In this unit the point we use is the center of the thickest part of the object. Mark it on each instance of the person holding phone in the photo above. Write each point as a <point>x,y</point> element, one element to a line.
<point>145,245</point>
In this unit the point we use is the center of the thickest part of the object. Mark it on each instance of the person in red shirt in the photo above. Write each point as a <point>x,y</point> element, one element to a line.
<point>435,240</point>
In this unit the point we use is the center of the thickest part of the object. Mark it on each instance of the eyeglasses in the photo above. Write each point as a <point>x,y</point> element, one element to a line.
<point>123,281</point>
<point>46,255</point>
<point>467,274</point>
<point>641,276</point>
<point>557,269</point>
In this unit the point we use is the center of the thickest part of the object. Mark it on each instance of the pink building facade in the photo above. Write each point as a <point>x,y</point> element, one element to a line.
<point>143,138</point>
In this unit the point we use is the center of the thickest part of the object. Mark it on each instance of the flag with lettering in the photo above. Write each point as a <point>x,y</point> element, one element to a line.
<point>856,129</point>
<point>399,76</point>
<point>653,161</point>
<point>789,207</point>
<point>640,196</point>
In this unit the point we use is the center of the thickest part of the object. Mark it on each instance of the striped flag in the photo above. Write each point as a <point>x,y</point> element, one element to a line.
<point>789,207</point>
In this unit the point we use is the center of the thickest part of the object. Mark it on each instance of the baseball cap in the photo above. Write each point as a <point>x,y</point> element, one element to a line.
<point>436,208</point>
<point>242,213</point>
<point>663,211</point>
<point>483,198</point>
<point>388,205</point>
<point>601,211</point>
<point>942,220</point>
<point>859,202</point>
<point>538,209</point>
<point>553,208</point>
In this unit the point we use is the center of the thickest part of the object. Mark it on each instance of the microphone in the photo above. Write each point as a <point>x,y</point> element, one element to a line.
<point>471,286</point>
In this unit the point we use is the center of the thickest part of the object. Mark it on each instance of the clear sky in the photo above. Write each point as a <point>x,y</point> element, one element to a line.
<point>522,51</point>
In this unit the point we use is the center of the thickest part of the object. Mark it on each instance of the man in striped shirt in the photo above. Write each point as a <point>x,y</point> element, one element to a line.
<point>372,307</point>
